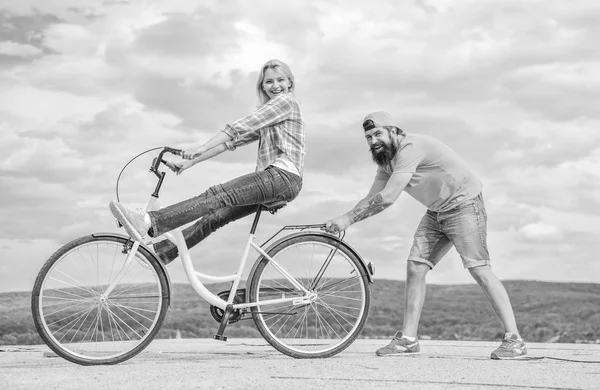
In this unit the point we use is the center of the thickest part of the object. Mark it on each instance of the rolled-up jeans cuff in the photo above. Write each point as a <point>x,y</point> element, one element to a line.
<point>153,228</point>
<point>166,253</point>
<point>422,261</point>
<point>475,263</point>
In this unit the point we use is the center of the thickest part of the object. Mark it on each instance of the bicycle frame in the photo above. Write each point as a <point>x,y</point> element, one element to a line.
<point>197,279</point>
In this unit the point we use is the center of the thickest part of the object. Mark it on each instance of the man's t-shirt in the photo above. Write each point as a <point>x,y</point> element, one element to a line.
<point>441,180</point>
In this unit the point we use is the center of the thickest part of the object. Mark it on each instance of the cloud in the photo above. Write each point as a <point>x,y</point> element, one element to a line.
<point>540,232</point>
<point>510,86</point>
<point>18,49</point>
<point>562,91</point>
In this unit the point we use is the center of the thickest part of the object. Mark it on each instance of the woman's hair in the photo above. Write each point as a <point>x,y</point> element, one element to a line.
<point>279,66</point>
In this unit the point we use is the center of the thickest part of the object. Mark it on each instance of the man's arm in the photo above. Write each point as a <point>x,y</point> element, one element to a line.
<point>381,196</point>
<point>381,200</point>
<point>377,186</point>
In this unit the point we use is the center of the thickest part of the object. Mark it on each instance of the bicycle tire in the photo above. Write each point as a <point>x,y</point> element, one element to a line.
<point>303,330</point>
<point>67,300</point>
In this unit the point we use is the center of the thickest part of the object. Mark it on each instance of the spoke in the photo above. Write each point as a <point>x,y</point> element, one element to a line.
<point>324,267</point>
<point>326,288</point>
<point>136,310</point>
<point>278,317</point>
<point>128,315</point>
<point>118,327</point>
<point>299,320</point>
<point>324,325</point>
<point>82,322</point>
<point>111,322</point>
<point>285,320</point>
<point>345,296</point>
<point>124,308</point>
<point>45,297</point>
<point>330,327</point>
<point>101,323</point>
<point>63,319</point>
<point>338,306</point>
<point>65,308</point>
<point>333,311</point>
<point>94,328</point>
<point>283,286</point>
<point>92,292</point>
<point>119,323</point>
<point>142,295</point>
<point>97,265</point>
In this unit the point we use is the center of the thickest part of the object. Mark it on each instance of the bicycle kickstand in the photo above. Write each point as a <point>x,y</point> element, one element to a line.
<point>224,322</point>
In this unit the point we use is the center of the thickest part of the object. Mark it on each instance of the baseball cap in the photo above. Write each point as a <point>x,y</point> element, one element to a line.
<point>378,119</point>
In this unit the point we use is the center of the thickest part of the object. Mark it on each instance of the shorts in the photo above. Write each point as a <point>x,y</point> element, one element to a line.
<point>465,227</point>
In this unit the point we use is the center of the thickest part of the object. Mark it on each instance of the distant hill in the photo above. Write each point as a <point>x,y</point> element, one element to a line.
<point>452,312</point>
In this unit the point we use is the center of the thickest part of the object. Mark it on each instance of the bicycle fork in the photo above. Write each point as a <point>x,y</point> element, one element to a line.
<point>124,268</point>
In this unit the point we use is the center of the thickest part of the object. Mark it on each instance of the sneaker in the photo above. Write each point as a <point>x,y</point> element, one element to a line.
<point>399,346</point>
<point>132,220</point>
<point>512,347</point>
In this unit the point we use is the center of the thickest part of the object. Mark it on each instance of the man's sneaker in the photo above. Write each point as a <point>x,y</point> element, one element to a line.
<point>398,346</point>
<point>132,220</point>
<point>512,347</point>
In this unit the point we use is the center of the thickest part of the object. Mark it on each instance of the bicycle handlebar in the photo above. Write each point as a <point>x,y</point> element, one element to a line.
<point>155,164</point>
<point>157,160</point>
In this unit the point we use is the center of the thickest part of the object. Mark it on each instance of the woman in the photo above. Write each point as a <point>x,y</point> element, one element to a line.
<point>278,126</point>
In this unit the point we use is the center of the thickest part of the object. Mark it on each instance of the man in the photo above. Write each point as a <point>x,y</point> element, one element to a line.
<point>436,176</point>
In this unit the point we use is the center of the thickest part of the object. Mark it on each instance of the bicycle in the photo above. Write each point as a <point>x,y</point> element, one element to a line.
<point>102,298</point>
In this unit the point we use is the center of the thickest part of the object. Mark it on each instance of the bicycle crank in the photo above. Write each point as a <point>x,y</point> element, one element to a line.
<point>236,315</point>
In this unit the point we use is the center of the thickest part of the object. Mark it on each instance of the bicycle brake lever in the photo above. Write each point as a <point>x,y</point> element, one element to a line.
<point>171,166</point>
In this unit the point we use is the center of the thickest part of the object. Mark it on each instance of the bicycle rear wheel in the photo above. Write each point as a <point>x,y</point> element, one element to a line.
<point>79,321</point>
<point>331,321</point>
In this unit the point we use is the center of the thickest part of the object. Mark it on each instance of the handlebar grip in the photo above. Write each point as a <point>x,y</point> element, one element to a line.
<point>177,152</point>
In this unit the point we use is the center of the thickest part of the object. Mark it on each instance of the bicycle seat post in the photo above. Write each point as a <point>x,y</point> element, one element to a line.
<point>256,218</point>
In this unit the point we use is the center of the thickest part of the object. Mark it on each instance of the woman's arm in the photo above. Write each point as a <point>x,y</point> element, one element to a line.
<point>180,166</point>
<point>215,142</point>
<point>210,153</point>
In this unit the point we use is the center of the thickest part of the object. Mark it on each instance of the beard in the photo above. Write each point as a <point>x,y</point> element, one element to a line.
<point>384,156</point>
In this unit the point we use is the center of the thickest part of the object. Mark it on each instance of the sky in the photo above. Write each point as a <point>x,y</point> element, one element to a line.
<point>511,85</point>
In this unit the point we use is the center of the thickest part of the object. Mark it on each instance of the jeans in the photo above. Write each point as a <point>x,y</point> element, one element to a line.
<point>465,227</point>
<point>221,204</point>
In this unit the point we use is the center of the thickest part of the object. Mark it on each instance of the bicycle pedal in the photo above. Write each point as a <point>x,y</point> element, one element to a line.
<point>220,338</point>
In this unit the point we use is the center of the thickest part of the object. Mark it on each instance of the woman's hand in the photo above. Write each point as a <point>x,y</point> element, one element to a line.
<point>192,153</point>
<point>179,166</point>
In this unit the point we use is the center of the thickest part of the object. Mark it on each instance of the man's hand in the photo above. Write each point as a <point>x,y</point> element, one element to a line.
<point>192,153</point>
<point>338,224</point>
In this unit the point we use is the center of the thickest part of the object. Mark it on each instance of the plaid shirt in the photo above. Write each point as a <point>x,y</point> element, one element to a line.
<point>279,128</point>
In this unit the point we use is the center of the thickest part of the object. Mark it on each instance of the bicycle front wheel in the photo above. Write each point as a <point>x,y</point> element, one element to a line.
<point>331,320</point>
<point>80,319</point>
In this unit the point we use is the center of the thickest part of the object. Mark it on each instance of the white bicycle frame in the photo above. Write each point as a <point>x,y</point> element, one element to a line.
<point>196,278</point>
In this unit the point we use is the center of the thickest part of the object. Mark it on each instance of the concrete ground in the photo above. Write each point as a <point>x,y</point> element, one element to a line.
<point>253,364</point>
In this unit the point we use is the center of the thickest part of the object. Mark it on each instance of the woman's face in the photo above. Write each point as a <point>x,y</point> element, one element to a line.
<point>275,83</point>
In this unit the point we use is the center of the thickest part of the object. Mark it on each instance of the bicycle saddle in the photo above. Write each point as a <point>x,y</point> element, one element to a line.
<point>273,207</point>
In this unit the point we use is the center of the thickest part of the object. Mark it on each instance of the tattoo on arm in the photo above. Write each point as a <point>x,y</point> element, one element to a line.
<point>373,206</point>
